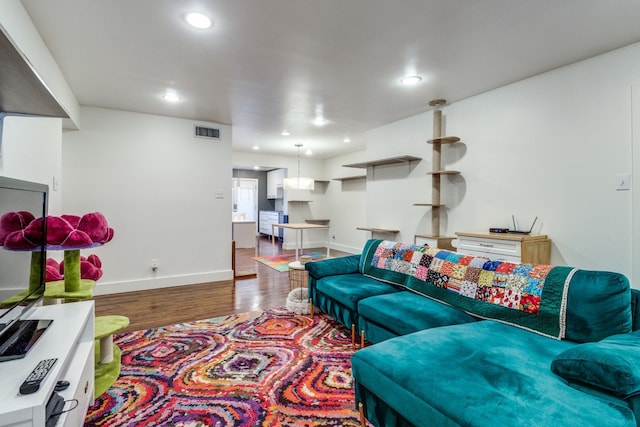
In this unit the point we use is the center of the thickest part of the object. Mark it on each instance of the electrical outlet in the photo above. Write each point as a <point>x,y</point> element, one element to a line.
<point>154,265</point>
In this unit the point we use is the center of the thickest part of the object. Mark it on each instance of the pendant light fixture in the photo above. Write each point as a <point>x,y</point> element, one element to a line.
<point>299,182</point>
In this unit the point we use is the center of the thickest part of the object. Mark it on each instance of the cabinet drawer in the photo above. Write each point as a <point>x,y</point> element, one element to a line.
<point>490,246</point>
<point>491,256</point>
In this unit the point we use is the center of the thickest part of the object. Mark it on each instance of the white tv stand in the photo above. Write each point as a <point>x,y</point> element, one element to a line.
<point>70,339</point>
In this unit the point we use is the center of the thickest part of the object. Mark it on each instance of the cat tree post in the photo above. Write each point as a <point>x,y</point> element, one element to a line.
<point>435,239</point>
<point>436,166</point>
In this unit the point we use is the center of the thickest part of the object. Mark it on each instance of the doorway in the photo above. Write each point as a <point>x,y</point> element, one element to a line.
<point>245,198</point>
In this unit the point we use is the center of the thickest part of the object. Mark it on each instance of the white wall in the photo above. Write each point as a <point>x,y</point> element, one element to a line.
<point>31,150</point>
<point>347,203</point>
<point>549,146</point>
<point>156,185</point>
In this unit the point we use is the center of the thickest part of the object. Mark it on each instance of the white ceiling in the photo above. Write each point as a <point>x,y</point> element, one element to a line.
<point>271,65</point>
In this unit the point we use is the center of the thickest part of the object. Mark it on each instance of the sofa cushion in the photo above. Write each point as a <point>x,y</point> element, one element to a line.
<point>348,289</point>
<point>612,364</point>
<point>333,266</point>
<point>481,374</point>
<point>405,312</point>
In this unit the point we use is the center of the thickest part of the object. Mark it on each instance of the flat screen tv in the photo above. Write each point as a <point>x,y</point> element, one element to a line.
<point>22,264</point>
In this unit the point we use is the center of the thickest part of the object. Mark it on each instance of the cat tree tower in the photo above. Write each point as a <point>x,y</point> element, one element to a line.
<point>435,239</point>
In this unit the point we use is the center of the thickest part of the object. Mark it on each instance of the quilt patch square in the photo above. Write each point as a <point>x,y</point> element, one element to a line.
<point>468,289</point>
<point>472,274</point>
<point>459,271</point>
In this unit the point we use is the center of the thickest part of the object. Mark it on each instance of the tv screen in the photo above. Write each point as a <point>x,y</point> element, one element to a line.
<point>23,209</point>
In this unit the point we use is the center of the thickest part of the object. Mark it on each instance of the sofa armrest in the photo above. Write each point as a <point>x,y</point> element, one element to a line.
<point>333,266</point>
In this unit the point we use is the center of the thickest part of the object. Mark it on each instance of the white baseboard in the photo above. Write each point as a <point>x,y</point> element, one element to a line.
<point>307,245</point>
<point>323,244</point>
<point>347,249</point>
<point>161,282</point>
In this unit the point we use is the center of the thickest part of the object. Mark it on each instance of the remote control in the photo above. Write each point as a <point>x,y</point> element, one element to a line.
<point>32,383</point>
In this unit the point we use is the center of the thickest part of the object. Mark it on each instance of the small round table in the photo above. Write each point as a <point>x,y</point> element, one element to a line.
<point>298,298</point>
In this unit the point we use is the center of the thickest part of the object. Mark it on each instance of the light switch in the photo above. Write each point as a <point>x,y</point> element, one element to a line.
<point>623,182</point>
<point>219,194</point>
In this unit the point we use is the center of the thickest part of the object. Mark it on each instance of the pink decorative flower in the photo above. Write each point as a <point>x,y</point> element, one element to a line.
<point>12,230</point>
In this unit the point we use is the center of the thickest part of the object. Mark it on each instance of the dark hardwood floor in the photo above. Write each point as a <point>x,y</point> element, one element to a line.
<point>166,306</point>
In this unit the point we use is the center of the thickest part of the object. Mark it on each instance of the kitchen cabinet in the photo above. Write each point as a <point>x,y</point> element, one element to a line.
<point>275,181</point>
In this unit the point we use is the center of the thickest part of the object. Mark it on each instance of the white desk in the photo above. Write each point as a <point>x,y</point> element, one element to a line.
<point>299,228</point>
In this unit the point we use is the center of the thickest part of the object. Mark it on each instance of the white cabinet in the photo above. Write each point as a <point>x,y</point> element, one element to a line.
<point>267,219</point>
<point>69,339</point>
<point>275,181</point>
<point>525,248</point>
<point>244,234</point>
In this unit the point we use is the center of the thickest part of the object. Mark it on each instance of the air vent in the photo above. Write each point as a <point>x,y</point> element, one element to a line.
<point>204,132</point>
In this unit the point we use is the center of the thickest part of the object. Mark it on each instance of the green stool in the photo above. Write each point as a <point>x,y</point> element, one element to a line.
<point>107,354</point>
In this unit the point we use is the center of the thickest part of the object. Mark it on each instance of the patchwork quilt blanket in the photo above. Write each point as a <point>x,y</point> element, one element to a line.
<point>528,296</point>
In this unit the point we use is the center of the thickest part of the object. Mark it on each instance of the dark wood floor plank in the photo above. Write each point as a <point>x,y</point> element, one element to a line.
<point>178,304</point>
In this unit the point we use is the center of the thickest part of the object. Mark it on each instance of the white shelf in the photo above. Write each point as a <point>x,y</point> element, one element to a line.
<point>381,162</point>
<point>69,339</point>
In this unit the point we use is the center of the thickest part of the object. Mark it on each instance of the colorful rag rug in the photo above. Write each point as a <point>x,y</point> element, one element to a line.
<point>281,262</point>
<point>530,296</point>
<point>270,368</point>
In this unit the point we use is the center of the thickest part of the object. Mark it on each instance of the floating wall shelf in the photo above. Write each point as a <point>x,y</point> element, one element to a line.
<point>444,140</point>
<point>378,230</point>
<point>444,173</point>
<point>317,221</point>
<point>381,162</point>
<point>350,178</point>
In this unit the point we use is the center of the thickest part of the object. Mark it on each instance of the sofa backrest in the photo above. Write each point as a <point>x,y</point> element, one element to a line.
<point>635,309</point>
<point>598,305</point>
<point>556,301</point>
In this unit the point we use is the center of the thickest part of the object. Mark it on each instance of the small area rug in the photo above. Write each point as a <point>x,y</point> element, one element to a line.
<point>281,262</point>
<point>270,368</point>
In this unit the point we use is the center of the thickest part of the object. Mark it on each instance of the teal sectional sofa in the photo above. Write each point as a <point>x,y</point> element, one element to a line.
<point>460,340</point>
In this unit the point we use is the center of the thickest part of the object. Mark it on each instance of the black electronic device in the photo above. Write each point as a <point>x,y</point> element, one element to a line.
<point>32,383</point>
<point>61,385</point>
<point>22,263</point>
<point>498,230</point>
<point>513,218</point>
<point>55,405</point>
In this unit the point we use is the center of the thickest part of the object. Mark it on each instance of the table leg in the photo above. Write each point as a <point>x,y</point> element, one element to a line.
<point>273,243</point>
<point>328,244</point>
<point>301,244</point>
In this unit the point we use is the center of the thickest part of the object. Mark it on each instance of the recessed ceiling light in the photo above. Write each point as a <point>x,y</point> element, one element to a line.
<point>198,20</point>
<point>319,121</point>
<point>171,97</point>
<point>285,133</point>
<point>410,80</point>
<point>256,168</point>
<point>346,139</point>
<point>308,152</point>
<point>255,147</point>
